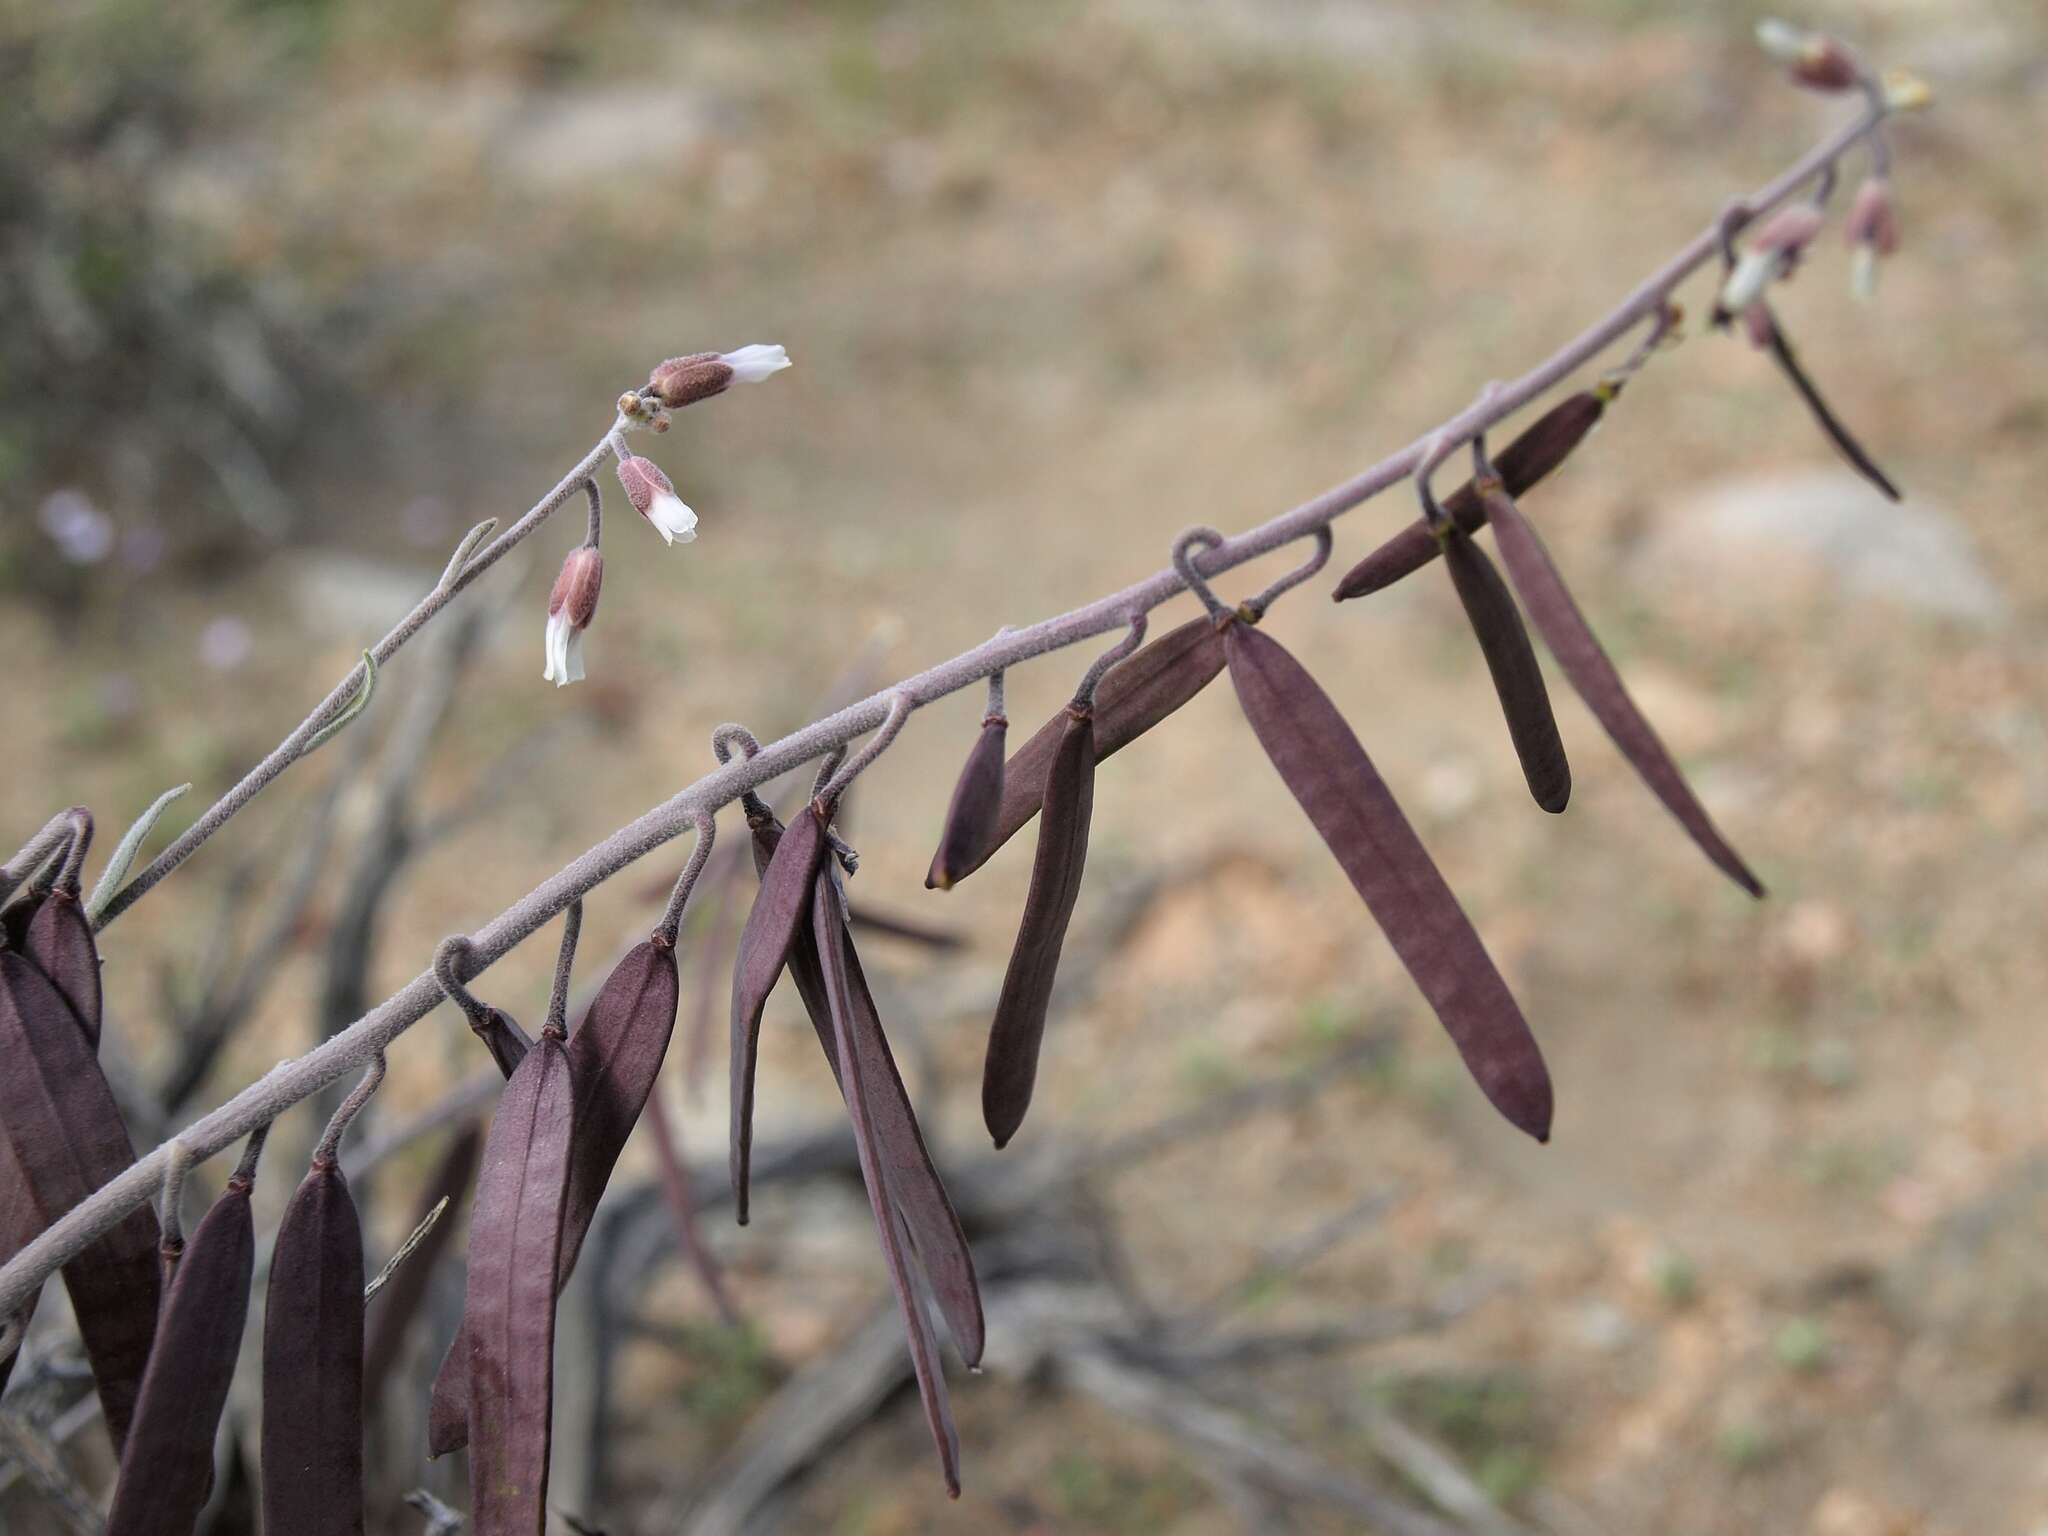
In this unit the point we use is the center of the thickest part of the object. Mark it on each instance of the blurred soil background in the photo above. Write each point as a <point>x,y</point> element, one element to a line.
<point>296,292</point>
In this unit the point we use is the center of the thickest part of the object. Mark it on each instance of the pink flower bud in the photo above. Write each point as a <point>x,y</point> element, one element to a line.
<point>1772,253</point>
<point>1816,60</point>
<point>1873,219</point>
<point>647,488</point>
<point>571,606</point>
<point>685,380</point>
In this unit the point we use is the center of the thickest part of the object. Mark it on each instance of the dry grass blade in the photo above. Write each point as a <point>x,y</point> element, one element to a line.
<point>60,944</point>
<point>509,1310</point>
<point>1019,1028</point>
<point>1517,679</point>
<point>779,913</point>
<point>913,1180</point>
<point>66,1139</point>
<point>313,1363</point>
<point>828,921</point>
<point>970,830</point>
<point>167,1463</point>
<point>1586,664</point>
<point>1545,444</point>
<point>1788,361</point>
<point>1322,763</point>
<point>1134,696</point>
<point>398,1304</point>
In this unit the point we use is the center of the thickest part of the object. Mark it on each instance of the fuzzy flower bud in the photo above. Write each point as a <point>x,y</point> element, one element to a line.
<point>1872,231</point>
<point>684,381</point>
<point>648,489</point>
<point>1773,252</point>
<point>1816,60</point>
<point>571,606</point>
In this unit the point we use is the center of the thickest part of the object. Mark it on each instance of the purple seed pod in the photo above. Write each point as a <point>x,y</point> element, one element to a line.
<point>60,944</point>
<point>615,1057</point>
<point>1014,1038</point>
<point>509,1309</point>
<point>66,1139</point>
<point>167,1463</point>
<point>969,834</point>
<point>1540,448</point>
<point>1134,696</point>
<point>778,915</point>
<point>913,1181</point>
<point>1779,345</point>
<point>1323,765</point>
<point>828,923</point>
<point>1511,659</point>
<point>313,1363</point>
<point>1586,664</point>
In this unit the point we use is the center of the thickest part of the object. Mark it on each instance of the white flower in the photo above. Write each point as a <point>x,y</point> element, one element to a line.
<point>1772,253</point>
<point>572,604</point>
<point>648,489</point>
<point>752,364</point>
<point>564,651</point>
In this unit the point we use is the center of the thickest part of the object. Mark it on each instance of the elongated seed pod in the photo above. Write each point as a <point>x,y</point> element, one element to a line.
<point>970,828</point>
<point>1829,423</point>
<point>392,1312</point>
<point>779,913</point>
<point>66,1136</point>
<point>503,1038</point>
<point>60,944</point>
<point>515,1247</point>
<point>1540,448</point>
<point>1133,696</point>
<point>828,922</point>
<point>615,1055</point>
<point>57,940</point>
<point>313,1363</point>
<point>1593,675</point>
<point>1019,1028</point>
<point>1517,679</point>
<point>167,1463</point>
<point>919,1194</point>
<point>1322,763</point>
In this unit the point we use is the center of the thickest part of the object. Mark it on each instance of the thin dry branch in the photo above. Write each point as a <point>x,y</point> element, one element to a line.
<point>350,1050</point>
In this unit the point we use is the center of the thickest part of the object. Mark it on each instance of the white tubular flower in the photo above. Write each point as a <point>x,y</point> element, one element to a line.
<point>571,606</point>
<point>752,364</point>
<point>1872,231</point>
<point>648,489</point>
<point>1771,255</point>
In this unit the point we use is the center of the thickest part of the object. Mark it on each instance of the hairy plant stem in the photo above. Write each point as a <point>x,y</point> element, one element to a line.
<point>355,1046</point>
